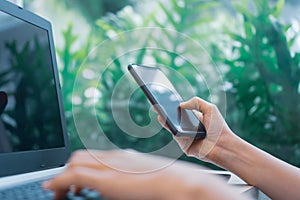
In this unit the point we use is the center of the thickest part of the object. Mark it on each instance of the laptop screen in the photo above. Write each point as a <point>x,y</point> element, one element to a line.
<point>32,126</point>
<point>29,111</point>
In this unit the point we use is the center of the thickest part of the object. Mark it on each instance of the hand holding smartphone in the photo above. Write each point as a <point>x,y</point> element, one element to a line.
<point>166,100</point>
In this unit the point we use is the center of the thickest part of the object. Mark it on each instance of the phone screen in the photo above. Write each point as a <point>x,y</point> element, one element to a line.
<point>162,94</point>
<point>169,101</point>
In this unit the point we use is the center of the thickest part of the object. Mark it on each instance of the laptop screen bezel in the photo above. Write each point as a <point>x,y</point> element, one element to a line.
<point>28,161</point>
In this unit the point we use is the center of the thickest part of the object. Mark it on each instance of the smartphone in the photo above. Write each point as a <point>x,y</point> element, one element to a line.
<point>166,100</point>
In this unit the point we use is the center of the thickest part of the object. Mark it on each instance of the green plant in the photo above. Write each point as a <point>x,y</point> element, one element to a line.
<point>264,74</point>
<point>112,74</point>
<point>72,60</point>
<point>260,70</point>
<point>189,22</point>
<point>94,9</point>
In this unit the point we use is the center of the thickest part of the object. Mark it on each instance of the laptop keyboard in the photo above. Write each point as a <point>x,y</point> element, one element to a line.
<point>34,190</point>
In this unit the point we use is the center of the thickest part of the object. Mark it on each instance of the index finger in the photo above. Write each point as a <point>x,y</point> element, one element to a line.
<point>79,177</point>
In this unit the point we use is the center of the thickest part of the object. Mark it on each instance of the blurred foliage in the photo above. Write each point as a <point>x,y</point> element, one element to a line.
<point>94,9</point>
<point>265,77</point>
<point>91,10</point>
<point>261,73</point>
<point>187,18</point>
<point>71,65</point>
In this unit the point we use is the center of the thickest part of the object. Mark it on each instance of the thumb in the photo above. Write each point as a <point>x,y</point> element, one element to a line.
<point>198,104</point>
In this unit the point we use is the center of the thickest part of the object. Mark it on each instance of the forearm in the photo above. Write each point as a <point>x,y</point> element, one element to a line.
<point>194,184</point>
<point>275,178</point>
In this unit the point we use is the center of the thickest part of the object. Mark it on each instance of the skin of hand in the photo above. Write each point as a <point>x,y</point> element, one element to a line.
<point>215,126</point>
<point>277,179</point>
<point>122,174</point>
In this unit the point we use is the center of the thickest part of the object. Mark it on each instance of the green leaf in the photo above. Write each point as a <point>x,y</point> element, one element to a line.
<point>70,38</point>
<point>103,25</point>
<point>238,38</point>
<point>276,11</point>
<point>141,55</point>
<point>291,42</point>
<point>176,7</point>
<point>151,18</point>
<point>262,6</point>
<point>242,8</point>
<point>285,27</point>
<point>169,14</point>
<point>249,30</point>
<point>202,5</point>
<point>198,22</point>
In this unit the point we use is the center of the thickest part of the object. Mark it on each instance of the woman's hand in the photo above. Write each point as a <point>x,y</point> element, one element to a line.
<point>223,148</point>
<point>214,123</point>
<point>132,175</point>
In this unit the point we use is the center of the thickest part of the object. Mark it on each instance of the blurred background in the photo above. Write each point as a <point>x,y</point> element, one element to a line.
<point>254,44</point>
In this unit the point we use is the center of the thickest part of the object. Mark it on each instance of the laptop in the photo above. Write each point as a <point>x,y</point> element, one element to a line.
<point>33,136</point>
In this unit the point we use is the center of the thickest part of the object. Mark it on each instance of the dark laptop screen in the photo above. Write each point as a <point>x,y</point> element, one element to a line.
<point>29,110</point>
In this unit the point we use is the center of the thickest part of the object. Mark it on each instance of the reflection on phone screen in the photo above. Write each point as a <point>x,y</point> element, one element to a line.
<point>170,101</point>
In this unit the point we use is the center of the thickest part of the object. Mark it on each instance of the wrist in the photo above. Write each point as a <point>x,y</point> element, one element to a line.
<point>237,156</point>
<point>226,150</point>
